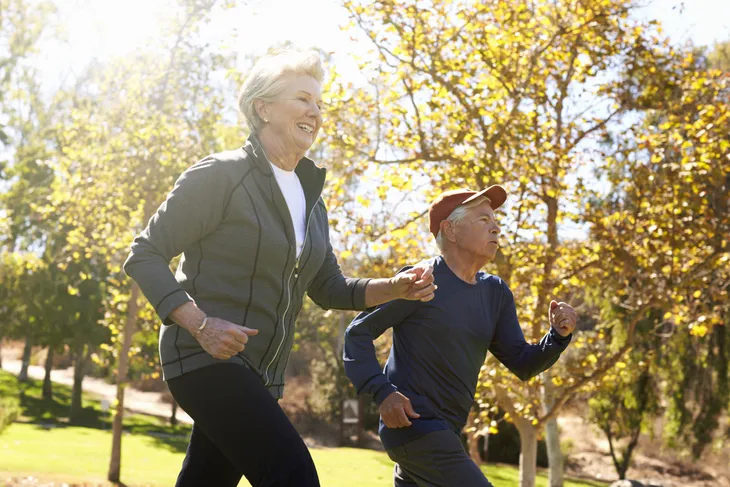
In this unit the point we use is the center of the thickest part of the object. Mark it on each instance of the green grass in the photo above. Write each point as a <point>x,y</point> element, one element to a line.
<point>80,454</point>
<point>55,413</point>
<point>48,445</point>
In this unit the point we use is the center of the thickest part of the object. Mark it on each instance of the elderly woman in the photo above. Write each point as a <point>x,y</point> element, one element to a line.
<point>254,235</point>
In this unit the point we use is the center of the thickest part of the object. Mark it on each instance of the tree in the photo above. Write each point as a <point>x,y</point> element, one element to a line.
<point>696,390</point>
<point>719,56</point>
<point>21,287</point>
<point>22,24</point>
<point>22,130</point>
<point>663,229</point>
<point>625,404</point>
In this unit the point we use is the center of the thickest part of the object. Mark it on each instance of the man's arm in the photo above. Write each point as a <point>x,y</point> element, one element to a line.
<point>509,346</point>
<point>361,363</point>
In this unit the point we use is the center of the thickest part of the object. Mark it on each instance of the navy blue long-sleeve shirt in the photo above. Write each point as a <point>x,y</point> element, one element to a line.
<point>439,348</point>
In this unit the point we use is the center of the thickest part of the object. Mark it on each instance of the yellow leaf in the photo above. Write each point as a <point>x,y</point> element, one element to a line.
<point>698,330</point>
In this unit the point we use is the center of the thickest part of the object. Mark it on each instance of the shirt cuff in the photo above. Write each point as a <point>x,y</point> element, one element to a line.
<point>358,297</point>
<point>170,303</point>
<point>384,391</point>
<point>559,338</point>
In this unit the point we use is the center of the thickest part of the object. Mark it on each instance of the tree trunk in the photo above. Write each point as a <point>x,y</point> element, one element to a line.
<point>361,404</point>
<point>23,375</point>
<point>173,416</point>
<point>341,432</point>
<point>474,453</point>
<point>556,460</point>
<point>528,453</point>
<point>472,437</point>
<point>343,397</point>
<point>115,463</point>
<point>47,384</point>
<point>614,457</point>
<point>1,353</point>
<point>77,390</point>
<point>627,454</point>
<point>485,450</point>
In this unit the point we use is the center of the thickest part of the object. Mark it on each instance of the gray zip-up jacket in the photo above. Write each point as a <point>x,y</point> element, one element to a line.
<point>229,219</point>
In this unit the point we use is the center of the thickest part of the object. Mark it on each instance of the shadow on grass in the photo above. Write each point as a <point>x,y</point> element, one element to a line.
<point>385,461</point>
<point>55,413</point>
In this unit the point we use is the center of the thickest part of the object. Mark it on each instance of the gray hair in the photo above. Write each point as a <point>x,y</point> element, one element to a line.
<point>265,81</point>
<point>457,215</point>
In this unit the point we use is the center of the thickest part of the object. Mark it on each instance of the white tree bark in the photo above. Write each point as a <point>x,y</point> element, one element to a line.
<point>115,463</point>
<point>556,460</point>
<point>528,453</point>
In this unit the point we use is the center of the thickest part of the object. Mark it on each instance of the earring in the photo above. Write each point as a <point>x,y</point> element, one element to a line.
<point>266,120</point>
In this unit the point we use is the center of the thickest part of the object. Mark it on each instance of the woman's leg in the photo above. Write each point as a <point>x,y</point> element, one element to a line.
<point>241,418</point>
<point>203,460</point>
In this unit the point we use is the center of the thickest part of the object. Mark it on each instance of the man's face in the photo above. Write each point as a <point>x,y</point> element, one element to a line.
<point>478,232</point>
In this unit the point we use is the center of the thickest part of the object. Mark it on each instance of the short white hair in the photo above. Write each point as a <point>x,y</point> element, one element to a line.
<point>457,215</point>
<point>266,79</point>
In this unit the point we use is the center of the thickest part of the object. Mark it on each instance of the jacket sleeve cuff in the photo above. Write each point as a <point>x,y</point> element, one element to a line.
<point>559,339</point>
<point>358,294</point>
<point>173,300</point>
<point>385,390</point>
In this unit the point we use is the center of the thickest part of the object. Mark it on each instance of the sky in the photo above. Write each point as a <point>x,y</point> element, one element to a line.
<point>100,28</point>
<point>701,21</point>
<point>107,28</point>
<point>104,28</point>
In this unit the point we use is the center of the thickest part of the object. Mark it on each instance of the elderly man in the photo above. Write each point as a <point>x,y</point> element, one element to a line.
<point>425,393</point>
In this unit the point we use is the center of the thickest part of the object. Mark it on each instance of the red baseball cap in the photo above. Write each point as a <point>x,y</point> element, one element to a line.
<point>448,201</point>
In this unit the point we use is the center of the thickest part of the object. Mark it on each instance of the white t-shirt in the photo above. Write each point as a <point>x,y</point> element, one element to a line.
<point>295,200</point>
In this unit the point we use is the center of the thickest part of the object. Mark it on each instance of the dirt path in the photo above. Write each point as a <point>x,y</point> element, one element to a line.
<point>589,456</point>
<point>134,400</point>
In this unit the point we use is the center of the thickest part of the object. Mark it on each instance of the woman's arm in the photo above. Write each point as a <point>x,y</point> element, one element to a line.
<point>331,290</point>
<point>193,209</point>
<point>415,283</point>
<point>220,338</point>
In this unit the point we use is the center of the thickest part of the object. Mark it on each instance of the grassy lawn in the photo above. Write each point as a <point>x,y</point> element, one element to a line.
<point>46,445</point>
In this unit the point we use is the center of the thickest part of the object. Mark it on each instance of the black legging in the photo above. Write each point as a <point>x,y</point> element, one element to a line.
<point>239,430</point>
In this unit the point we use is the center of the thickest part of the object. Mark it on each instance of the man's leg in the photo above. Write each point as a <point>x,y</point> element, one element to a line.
<point>244,422</point>
<point>438,459</point>
<point>401,478</point>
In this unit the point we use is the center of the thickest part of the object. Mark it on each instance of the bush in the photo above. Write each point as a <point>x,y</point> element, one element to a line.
<point>9,411</point>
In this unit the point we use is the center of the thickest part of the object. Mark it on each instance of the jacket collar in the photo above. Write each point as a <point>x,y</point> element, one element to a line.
<point>311,176</point>
<point>253,147</point>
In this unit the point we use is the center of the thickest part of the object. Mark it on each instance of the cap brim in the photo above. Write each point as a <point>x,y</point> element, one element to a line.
<point>497,196</point>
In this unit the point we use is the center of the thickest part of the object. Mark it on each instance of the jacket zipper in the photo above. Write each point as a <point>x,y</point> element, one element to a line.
<point>295,271</point>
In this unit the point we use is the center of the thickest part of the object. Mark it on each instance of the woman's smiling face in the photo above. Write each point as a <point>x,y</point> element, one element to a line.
<point>295,117</point>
